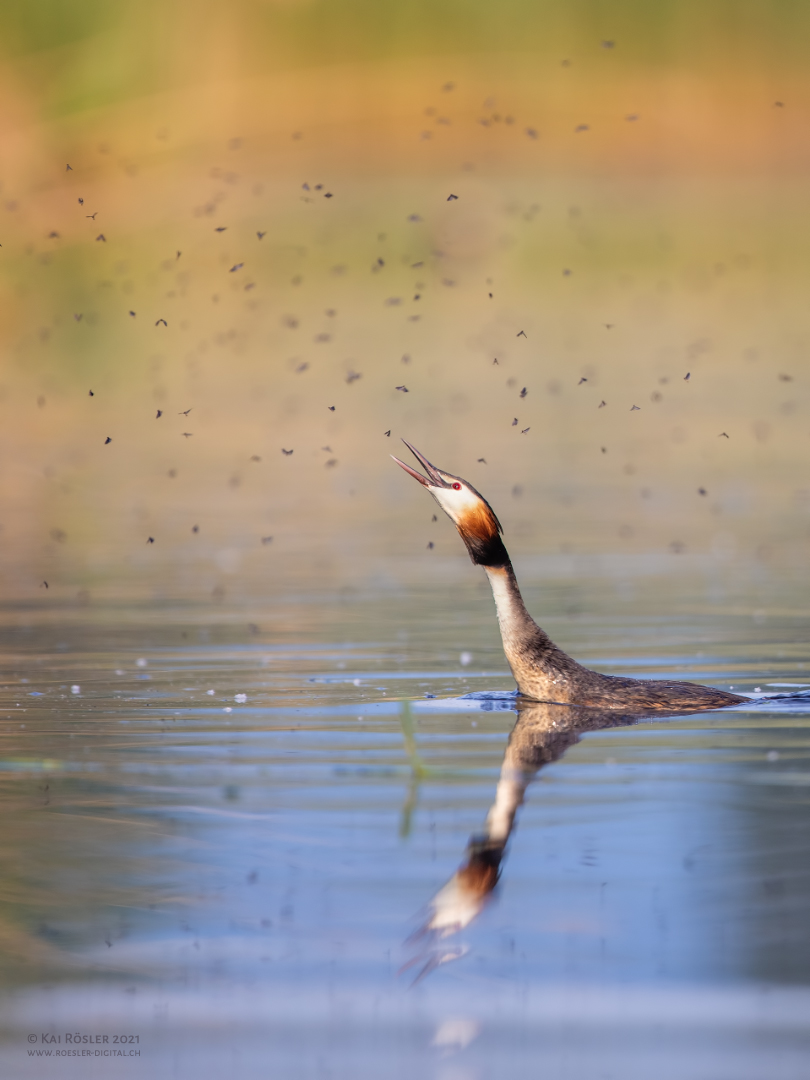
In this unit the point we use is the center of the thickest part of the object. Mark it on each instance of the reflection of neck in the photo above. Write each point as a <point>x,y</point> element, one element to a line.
<point>541,670</point>
<point>509,796</point>
<point>541,735</point>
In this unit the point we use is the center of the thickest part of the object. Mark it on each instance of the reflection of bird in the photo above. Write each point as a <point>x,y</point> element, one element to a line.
<point>543,671</point>
<point>542,735</point>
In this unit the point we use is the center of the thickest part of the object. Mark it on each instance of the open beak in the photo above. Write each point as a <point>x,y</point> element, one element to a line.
<point>434,477</point>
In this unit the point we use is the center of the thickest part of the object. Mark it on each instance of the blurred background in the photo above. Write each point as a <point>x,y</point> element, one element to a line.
<point>226,233</point>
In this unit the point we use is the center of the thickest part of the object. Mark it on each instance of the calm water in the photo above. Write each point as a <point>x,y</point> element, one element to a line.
<point>222,825</point>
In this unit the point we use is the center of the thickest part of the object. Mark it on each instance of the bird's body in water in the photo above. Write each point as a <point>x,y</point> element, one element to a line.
<point>542,671</point>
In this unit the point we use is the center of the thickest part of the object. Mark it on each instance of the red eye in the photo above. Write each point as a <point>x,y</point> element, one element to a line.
<point>456,487</point>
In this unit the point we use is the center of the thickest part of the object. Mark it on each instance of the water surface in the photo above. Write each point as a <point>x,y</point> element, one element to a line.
<point>223,825</point>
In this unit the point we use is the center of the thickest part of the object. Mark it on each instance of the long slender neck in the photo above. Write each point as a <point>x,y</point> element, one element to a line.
<point>541,670</point>
<point>514,620</point>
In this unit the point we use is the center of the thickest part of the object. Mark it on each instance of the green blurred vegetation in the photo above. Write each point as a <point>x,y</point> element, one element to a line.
<point>99,51</point>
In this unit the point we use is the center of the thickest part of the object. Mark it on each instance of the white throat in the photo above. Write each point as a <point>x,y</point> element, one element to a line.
<point>508,601</point>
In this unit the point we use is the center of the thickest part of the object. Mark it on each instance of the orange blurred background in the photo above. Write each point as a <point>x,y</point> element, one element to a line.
<point>255,226</point>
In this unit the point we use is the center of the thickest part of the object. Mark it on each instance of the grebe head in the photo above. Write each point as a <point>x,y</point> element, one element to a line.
<point>467,509</point>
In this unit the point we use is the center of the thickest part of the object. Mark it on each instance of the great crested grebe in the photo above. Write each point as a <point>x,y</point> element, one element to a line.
<point>542,671</point>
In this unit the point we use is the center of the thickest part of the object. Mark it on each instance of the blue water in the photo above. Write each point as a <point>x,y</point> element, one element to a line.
<point>234,877</point>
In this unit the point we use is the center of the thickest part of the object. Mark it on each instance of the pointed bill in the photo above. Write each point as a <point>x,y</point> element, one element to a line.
<point>413,472</point>
<point>435,478</point>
